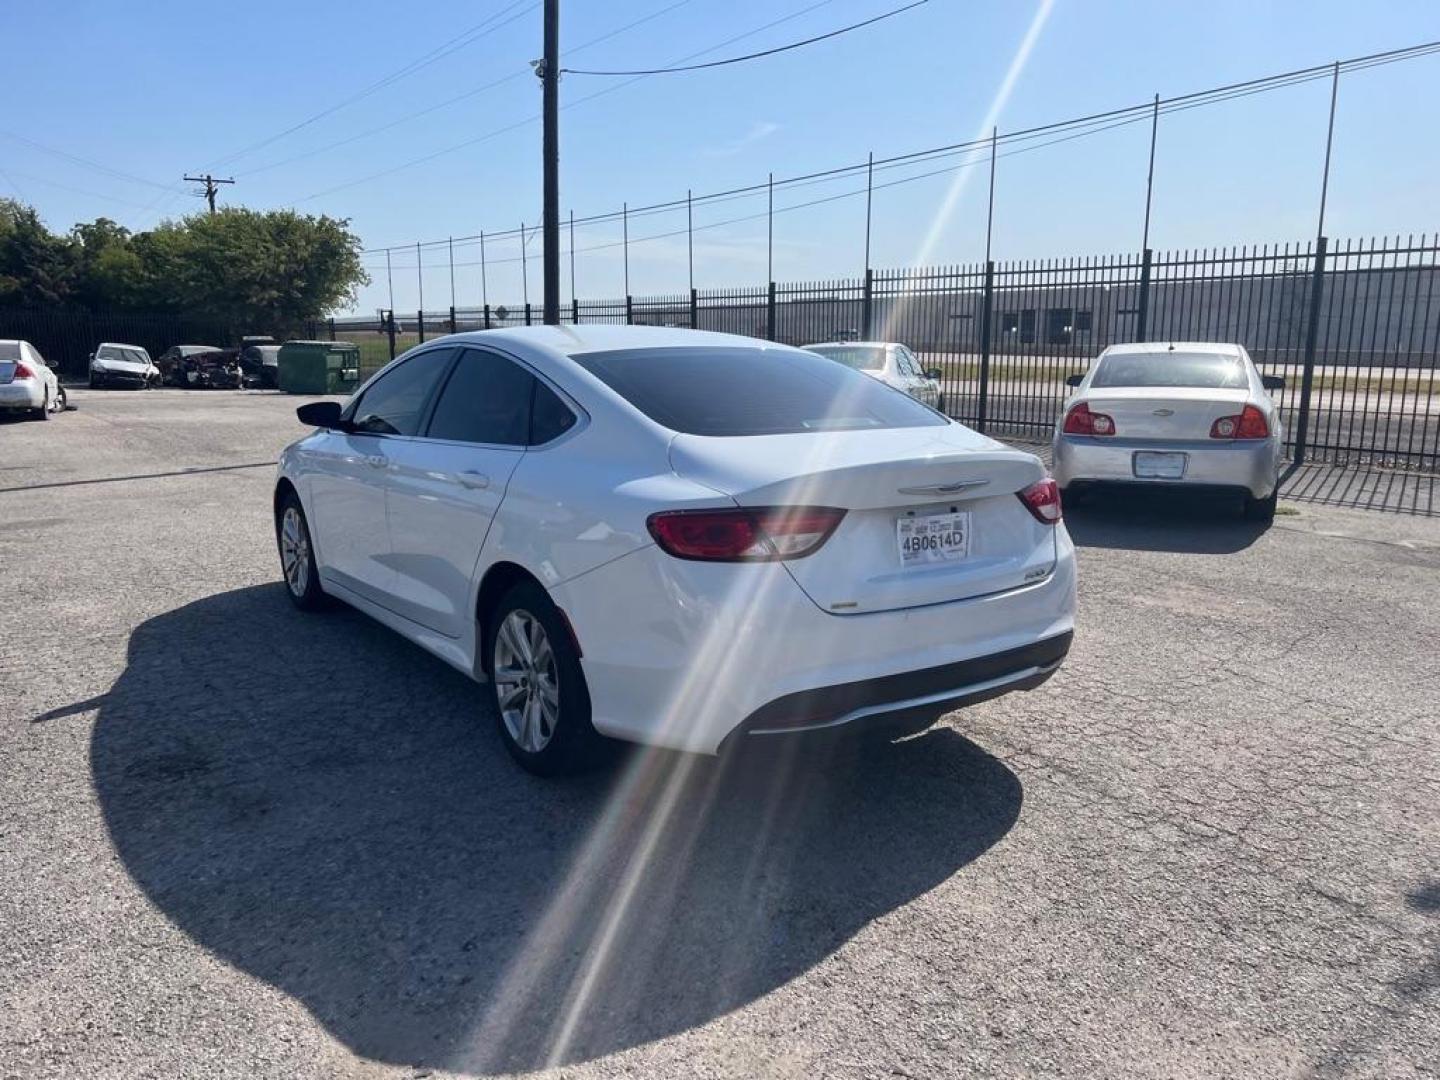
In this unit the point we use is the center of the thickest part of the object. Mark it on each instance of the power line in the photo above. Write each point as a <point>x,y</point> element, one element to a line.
<point>458,97</point>
<point>485,27</point>
<point>1077,127</point>
<point>531,119</point>
<point>86,162</point>
<point>754,55</point>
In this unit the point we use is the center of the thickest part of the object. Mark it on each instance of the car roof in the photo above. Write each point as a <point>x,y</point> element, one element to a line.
<point>118,345</point>
<point>578,340</point>
<point>851,344</point>
<point>1223,348</point>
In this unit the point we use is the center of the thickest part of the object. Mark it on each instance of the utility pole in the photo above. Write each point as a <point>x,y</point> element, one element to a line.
<point>212,187</point>
<point>549,72</point>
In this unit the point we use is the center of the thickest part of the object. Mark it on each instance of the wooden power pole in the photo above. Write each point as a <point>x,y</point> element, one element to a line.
<point>212,187</point>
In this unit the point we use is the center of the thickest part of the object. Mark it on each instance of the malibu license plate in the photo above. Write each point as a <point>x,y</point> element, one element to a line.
<point>933,538</point>
<point>1158,465</point>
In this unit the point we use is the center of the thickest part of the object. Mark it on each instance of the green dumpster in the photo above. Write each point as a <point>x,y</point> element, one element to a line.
<point>319,367</point>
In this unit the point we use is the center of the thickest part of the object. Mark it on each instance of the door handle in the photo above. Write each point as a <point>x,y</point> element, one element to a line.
<point>472,479</point>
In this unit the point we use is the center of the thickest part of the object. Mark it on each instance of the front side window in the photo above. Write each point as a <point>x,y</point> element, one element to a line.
<point>485,400</point>
<point>738,391</point>
<point>395,403</point>
<point>1214,371</point>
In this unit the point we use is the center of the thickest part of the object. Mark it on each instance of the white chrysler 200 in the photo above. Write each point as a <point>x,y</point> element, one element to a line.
<point>677,538</point>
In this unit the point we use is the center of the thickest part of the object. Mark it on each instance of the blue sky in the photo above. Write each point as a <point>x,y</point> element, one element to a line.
<point>155,89</point>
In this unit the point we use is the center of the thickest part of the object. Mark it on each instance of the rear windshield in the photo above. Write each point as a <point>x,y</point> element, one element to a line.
<point>859,357</point>
<point>9,350</point>
<point>1214,371</point>
<point>723,391</point>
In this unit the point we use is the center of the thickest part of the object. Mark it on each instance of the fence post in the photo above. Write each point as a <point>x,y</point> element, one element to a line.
<point>527,312</point>
<point>867,301</point>
<point>331,324</point>
<point>629,311</point>
<point>574,304</point>
<point>694,309</point>
<point>1142,316</point>
<point>420,323</point>
<point>390,330</point>
<point>487,316</point>
<point>770,314</point>
<point>987,307</point>
<point>452,318</point>
<point>1312,335</point>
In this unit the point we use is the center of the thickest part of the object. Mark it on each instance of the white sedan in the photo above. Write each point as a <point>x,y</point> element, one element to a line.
<point>1193,415</point>
<point>116,364</point>
<point>676,538</point>
<point>27,383</point>
<point>890,363</point>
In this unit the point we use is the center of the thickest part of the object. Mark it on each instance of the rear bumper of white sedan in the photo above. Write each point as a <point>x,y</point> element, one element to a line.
<point>1251,465</point>
<point>22,394</point>
<point>717,651</point>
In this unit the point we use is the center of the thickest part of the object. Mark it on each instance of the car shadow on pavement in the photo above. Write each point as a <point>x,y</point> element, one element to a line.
<point>1161,521</point>
<point>329,809</point>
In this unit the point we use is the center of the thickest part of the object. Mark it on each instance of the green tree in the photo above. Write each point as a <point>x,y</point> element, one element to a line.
<point>36,266</point>
<point>266,271</point>
<point>108,271</point>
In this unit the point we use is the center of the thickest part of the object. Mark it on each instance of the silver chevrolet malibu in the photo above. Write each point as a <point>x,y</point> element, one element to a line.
<point>1187,414</point>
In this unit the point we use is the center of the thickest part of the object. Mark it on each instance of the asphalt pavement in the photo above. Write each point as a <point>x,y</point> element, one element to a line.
<point>240,841</point>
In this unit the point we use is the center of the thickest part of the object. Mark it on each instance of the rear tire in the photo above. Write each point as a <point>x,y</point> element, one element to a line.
<point>542,705</point>
<point>297,555</point>
<point>1262,510</point>
<point>42,413</point>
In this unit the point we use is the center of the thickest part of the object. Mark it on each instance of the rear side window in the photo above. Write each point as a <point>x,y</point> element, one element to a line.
<point>485,400</point>
<point>1213,371</point>
<point>549,416</point>
<point>395,403</point>
<point>729,391</point>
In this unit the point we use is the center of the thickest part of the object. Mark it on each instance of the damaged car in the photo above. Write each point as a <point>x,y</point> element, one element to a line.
<point>116,364</point>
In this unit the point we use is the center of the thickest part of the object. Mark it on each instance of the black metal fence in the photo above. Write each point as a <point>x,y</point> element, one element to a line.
<point>1353,327</point>
<point>67,338</point>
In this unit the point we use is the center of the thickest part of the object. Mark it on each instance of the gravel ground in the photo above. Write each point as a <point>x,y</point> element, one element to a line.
<point>240,841</point>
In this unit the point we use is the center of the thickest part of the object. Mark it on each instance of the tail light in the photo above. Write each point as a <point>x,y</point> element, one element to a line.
<point>1081,421</point>
<point>1250,424</point>
<point>1042,499</point>
<point>22,372</point>
<point>745,534</point>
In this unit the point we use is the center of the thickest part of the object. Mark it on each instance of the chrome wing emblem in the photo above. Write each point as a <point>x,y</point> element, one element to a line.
<point>944,489</point>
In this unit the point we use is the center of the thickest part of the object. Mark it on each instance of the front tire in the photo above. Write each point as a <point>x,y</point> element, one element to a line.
<point>542,705</point>
<point>297,555</point>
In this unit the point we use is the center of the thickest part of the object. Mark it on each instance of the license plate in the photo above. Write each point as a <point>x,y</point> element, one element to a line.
<point>934,538</point>
<point>1159,465</point>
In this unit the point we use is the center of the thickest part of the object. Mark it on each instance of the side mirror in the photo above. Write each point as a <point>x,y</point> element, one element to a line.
<point>321,414</point>
<point>1272,382</point>
<point>933,373</point>
<point>1074,380</point>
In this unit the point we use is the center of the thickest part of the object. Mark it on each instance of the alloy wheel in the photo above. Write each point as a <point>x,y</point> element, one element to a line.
<point>294,551</point>
<point>527,684</point>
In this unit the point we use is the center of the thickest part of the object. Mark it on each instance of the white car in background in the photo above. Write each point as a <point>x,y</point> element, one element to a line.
<point>1184,414</point>
<point>116,364</point>
<point>891,363</point>
<point>677,538</point>
<point>26,381</point>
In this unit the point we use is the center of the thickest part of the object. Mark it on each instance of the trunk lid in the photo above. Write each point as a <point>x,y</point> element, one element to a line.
<point>1165,412</point>
<point>878,478</point>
